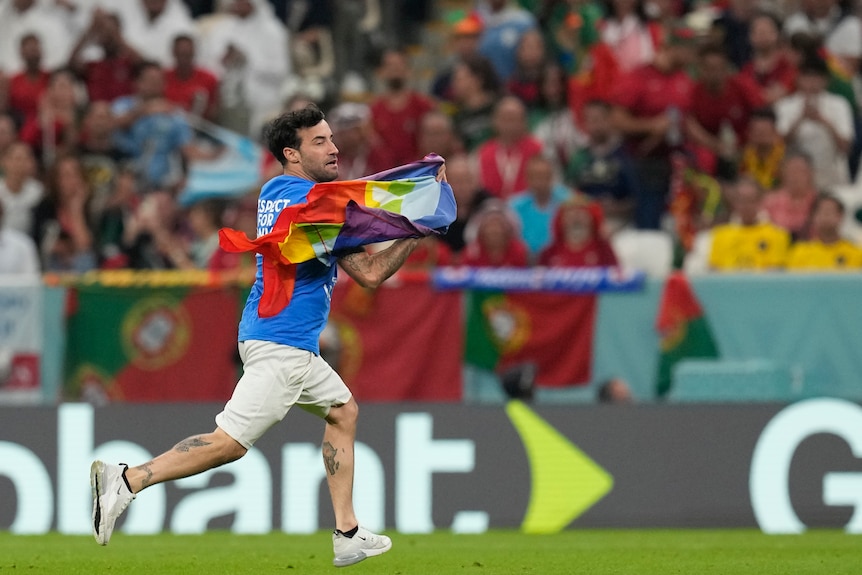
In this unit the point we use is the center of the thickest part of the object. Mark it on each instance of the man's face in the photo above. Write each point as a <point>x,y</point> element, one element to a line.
<point>494,232</point>
<point>463,180</point>
<point>394,70</point>
<point>318,154</point>
<point>31,50</point>
<point>826,219</point>
<point>19,161</point>
<point>597,123</point>
<point>540,177</point>
<point>154,7</point>
<point>810,83</point>
<point>763,33</point>
<point>184,52</point>
<point>435,134</point>
<point>151,83</point>
<point>510,119</point>
<point>23,5</point>
<point>797,174</point>
<point>577,225</point>
<point>242,8</point>
<point>713,70</point>
<point>99,119</point>
<point>747,203</point>
<point>761,132</point>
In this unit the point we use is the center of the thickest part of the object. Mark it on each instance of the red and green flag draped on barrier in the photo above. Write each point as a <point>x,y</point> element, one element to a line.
<point>144,343</point>
<point>684,330</point>
<point>403,202</point>
<point>552,331</point>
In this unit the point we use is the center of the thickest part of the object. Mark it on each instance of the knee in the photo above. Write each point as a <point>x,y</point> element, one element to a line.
<point>229,448</point>
<point>344,415</point>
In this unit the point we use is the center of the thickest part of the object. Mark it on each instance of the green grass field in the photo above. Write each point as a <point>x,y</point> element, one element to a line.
<point>589,552</point>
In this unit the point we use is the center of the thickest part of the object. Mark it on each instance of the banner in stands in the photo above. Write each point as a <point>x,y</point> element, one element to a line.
<point>20,341</point>
<point>396,343</point>
<point>421,467</point>
<point>548,333</point>
<point>152,343</point>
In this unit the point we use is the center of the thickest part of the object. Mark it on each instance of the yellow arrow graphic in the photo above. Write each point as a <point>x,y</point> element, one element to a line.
<point>565,481</point>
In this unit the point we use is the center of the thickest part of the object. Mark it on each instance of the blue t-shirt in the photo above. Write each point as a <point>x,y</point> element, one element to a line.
<point>300,323</point>
<point>155,142</point>
<point>536,220</point>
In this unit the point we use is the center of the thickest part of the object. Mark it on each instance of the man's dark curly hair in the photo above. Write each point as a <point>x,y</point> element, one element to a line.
<point>282,132</point>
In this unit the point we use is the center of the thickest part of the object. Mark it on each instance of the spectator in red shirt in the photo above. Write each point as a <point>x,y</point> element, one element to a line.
<point>503,159</point>
<point>651,104</point>
<point>27,87</point>
<point>54,129</point>
<point>352,133</point>
<point>494,238</point>
<point>721,108</point>
<point>111,76</point>
<point>577,237</point>
<point>769,70</point>
<point>396,113</point>
<point>193,88</point>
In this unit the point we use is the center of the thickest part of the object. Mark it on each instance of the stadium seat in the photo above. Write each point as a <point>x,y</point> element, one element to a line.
<point>729,381</point>
<point>650,251</point>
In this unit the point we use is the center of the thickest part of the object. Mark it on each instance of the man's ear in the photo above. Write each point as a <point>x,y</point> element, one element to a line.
<point>291,155</point>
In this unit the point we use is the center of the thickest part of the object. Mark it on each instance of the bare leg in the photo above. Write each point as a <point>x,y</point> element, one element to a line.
<point>338,439</point>
<point>188,457</point>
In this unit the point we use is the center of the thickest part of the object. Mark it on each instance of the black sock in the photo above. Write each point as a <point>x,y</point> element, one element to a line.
<point>125,479</point>
<point>348,534</point>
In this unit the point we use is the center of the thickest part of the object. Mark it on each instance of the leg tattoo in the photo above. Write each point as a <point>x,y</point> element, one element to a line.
<point>186,444</point>
<point>329,453</point>
<point>146,469</point>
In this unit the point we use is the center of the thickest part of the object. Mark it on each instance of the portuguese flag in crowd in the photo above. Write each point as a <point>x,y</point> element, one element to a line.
<point>552,331</point>
<point>684,330</point>
<point>143,344</point>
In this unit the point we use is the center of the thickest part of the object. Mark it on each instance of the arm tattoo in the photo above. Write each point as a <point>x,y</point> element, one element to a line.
<point>376,268</point>
<point>186,444</point>
<point>329,453</point>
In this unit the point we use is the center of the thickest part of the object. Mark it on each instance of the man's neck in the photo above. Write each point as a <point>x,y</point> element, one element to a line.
<point>542,200</point>
<point>766,56</point>
<point>184,71</point>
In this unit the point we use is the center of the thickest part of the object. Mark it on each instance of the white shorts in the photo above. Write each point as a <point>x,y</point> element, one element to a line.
<point>275,377</point>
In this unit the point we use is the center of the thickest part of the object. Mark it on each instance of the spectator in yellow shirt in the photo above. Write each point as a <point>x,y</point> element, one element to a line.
<point>826,250</point>
<point>749,242</point>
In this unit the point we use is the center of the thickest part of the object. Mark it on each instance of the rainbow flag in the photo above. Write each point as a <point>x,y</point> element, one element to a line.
<point>338,217</point>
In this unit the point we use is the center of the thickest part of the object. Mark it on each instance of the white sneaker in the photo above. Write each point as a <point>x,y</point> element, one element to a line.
<point>350,550</point>
<point>111,496</point>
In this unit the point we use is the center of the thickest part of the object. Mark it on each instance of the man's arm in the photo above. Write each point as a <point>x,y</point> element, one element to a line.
<point>371,270</point>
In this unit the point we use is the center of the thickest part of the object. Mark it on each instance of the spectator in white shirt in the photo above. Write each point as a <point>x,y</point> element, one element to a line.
<point>818,123</point>
<point>20,192</point>
<point>248,48</point>
<point>150,26</point>
<point>18,254</point>
<point>46,20</point>
<point>840,30</point>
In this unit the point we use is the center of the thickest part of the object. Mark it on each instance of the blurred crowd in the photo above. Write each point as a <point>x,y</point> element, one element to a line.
<point>710,135</point>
